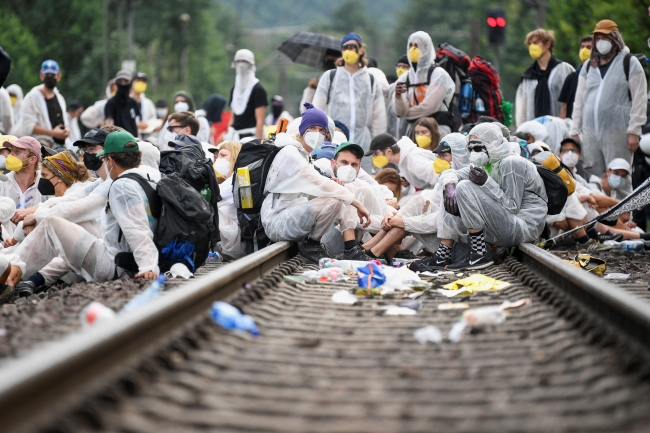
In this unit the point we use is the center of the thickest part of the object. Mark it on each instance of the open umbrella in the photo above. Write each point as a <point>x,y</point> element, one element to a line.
<point>311,48</point>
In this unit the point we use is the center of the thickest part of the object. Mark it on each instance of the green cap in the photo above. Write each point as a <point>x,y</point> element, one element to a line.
<point>115,142</point>
<point>350,147</point>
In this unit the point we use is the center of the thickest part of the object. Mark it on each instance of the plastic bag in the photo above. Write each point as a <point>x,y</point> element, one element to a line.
<point>371,276</point>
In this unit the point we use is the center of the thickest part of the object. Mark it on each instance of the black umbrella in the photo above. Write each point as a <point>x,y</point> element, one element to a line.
<point>311,48</point>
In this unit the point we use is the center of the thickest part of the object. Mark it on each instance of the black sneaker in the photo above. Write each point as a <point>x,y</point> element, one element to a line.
<point>6,293</point>
<point>431,263</point>
<point>603,237</point>
<point>311,252</point>
<point>405,254</point>
<point>25,288</point>
<point>356,253</point>
<point>473,261</point>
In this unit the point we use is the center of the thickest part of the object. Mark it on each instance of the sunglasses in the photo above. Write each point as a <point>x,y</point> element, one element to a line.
<point>352,47</point>
<point>478,149</point>
<point>171,128</point>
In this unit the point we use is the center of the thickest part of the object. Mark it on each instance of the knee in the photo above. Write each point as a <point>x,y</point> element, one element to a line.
<point>465,188</point>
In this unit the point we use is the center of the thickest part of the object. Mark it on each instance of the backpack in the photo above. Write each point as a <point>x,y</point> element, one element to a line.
<point>190,163</point>
<point>185,223</point>
<point>485,82</point>
<point>333,74</point>
<point>558,180</point>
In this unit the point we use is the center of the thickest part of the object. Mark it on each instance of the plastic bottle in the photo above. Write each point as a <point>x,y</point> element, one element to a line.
<point>95,313</point>
<point>214,257</point>
<point>479,105</point>
<point>466,90</point>
<point>630,246</point>
<point>229,317</point>
<point>344,264</point>
<point>324,275</point>
<point>149,294</point>
<point>206,193</point>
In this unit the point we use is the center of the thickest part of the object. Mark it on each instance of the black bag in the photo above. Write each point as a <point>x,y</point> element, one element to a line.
<point>257,156</point>
<point>253,236</point>
<point>185,223</point>
<point>190,163</point>
<point>556,191</point>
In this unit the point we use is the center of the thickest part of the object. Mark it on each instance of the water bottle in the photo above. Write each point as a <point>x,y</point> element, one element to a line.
<point>149,294</point>
<point>95,313</point>
<point>229,317</point>
<point>631,246</point>
<point>466,90</point>
<point>214,257</point>
<point>206,193</point>
<point>479,105</point>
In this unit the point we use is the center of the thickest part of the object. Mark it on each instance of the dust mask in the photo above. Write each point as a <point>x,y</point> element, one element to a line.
<point>314,139</point>
<point>535,51</point>
<point>350,57</point>
<point>222,166</point>
<point>346,173</point>
<point>414,54</point>
<point>570,159</point>
<point>615,181</point>
<point>139,87</point>
<point>13,163</point>
<point>181,106</point>
<point>440,165</point>
<point>584,54</point>
<point>479,159</point>
<point>604,46</point>
<point>423,141</point>
<point>161,112</point>
<point>400,71</point>
<point>380,161</point>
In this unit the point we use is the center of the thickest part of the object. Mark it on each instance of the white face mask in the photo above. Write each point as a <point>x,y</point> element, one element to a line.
<point>616,182</point>
<point>314,139</point>
<point>169,136</point>
<point>181,106</point>
<point>222,166</point>
<point>161,112</point>
<point>242,67</point>
<point>108,172</point>
<point>604,46</point>
<point>346,173</point>
<point>479,159</point>
<point>3,162</point>
<point>570,159</point>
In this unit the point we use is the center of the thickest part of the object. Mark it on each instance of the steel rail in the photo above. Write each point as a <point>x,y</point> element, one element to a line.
<point>620,309</point>
<point>34,386</point>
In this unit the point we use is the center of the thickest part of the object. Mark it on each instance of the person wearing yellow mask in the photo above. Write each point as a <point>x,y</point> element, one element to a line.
<point>148,115</point>
<point>568,93</point>
<point>396,126</point>
<point>541,83</point>
<point>424,91</point>
<point>425,133</point>
<point>351,93</point>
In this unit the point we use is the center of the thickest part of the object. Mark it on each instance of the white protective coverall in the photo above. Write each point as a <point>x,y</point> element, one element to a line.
<point>15,89</point>
<point>34,112</point>
<point>510,207</point>
<point>604,114</point>
<point>355,103</point>
<point>557,130</point>
<point>534,128</point>
<point>423,101</point>
<point>7,120</point>
<point>301,201</point>
<point>23,200</point>
<point>420,214</point>
<point>525,98</point>
<point>416,164</point>
<point>83,253</point>
<point>395,126</point>
<point>228,223</point>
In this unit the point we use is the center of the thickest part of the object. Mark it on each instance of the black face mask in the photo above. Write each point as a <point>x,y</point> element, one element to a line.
<point>49,82</point>
<point>329,64</point>
<point>92,162</point>
<point>45,187</point>
<point>123,91</point>
<point>277,110</point>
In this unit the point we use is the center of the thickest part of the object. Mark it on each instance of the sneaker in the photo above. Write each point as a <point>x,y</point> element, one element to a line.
<point>405,254</point>
<point>311,252</point>
<point>431,263</point>
<point>357,253</point>
<point>6,293</point>
<point>473,261</point>
<point>593,245</point>
<point>603,237</point>
<point>25,288</point>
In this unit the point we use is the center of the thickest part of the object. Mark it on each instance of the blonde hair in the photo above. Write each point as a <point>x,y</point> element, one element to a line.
<point>543,36</point>
<point>233,147</point>
<point>390,175</point>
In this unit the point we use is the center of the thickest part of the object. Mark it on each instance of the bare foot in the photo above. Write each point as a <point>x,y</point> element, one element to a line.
<point>14,275</point>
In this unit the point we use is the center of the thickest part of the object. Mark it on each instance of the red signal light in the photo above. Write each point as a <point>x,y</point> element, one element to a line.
<point>492,22</point>
<point>500,22</point>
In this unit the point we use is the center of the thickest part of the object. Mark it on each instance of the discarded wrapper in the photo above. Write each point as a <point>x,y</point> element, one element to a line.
<point>615,276</point>
<point>344,297</point>
<point>473,283</point>
<point>590,264</point>
<point>453,306</point>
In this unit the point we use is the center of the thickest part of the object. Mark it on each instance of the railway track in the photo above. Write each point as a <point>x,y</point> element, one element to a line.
<point>576,359</point>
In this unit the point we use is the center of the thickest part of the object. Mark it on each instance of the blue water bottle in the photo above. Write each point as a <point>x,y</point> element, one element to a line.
<point>466,90</point>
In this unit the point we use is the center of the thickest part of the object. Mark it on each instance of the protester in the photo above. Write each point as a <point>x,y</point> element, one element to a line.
<point>568,93</point>
<point>277,111</point>
<point>122,110</point>
<point>425,133</point>
<point>542,82</point>
<point>366,118</point>
<point>309,91</point>
<point>43,111</point>
<point>93,116</point>
<point>396,126</point>
<point>421,92</point>
<point>610,106</point>
<point>7,120</point>
<point>147,121</point>
<point>16,97</point>
<point>248,99</point>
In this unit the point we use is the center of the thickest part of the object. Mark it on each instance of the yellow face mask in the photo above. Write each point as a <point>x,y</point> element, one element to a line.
<point>13,99</point>
<point>139,87</point>
<point>400,71</point>
<point>423,141</point>
<point>13,163</point>
<point>379,161</point>
<point>414,54</point>
<point>584,54</point>
<point>440,165</point>
<point>535,51</point>
<point>350,57</point>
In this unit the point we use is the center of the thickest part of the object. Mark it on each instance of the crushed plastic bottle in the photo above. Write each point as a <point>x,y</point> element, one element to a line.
<point>229,317</point>
<point>149,294</point>
<point>214,257</point>
<point>630,246</point>
<point>428,333</point>
<point>345,264</point>
<point>95,313</point>
<point>206,193</point>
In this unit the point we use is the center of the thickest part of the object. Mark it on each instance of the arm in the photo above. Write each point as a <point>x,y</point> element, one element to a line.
<point>320,95</point>
<point>259,121</point>
<point>578,105</point>
<point>563,111</point>
<point>434,97</point>
<point>108,113</point>
<point>638,87</point>
<point>378,125</point>
<point>520,104</point>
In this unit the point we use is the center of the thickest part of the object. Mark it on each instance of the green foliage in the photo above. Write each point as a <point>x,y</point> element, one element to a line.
<point>21,45</point>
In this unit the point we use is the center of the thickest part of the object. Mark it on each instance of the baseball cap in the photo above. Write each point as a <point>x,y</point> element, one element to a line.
<point>443,147</point>
<point>29,143</point>
<point>350,147</point>
<point>123,74</point>
<point>605,27</point>
<point>140,76</point>
<point>381,141</point>
<point>94,136</point>
<point>116,143</point>
<point>6,138</point>
<point>619,164</point>
<point>571,140</point>
<point>183,140</point>
<point>50,67</point>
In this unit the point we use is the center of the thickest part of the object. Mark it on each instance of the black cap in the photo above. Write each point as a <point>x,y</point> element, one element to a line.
<point>571,140</point>
<point>184,140</point>
<point>382,141</point>
<point>443,147</point>
<point>140,76</point>
<point>94,136</point>
<point>403,60</point>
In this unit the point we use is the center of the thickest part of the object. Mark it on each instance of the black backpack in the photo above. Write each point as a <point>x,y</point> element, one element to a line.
<point>190,163</point>
<point>185,223</point>
<point>556,191</point>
